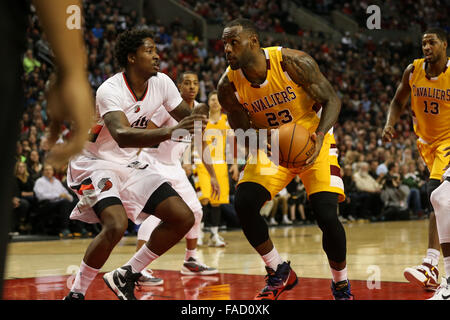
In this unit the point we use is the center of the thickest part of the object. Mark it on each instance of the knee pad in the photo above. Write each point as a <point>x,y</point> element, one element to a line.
<point>249,199</point>
<point>325,205</point>
<point>147,227</point>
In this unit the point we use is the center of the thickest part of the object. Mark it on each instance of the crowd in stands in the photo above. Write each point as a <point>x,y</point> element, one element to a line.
<point>395,14</point>
<point>377,176</point>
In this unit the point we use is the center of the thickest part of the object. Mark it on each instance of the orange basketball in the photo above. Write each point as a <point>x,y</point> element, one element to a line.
<point>296,145</point>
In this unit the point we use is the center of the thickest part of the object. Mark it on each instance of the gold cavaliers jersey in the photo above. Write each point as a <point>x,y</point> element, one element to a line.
<point>430,103</point>
<point>278,100</point>
<point>216,138</point>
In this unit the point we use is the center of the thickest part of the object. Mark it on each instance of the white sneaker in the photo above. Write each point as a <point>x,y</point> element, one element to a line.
<point>200,241</point>
<point>147,279</point>
<point>426,275</point>
<point>215,241</point>
<point>442,292</point>
<point>273,222</point>
<point>193,267</point>
<point>286,220</point>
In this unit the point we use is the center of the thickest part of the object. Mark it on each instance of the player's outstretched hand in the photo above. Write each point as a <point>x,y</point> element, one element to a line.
<point>388,134</point>
<point>318,142</point>
<point>192,122</point>
<point>70,99</point>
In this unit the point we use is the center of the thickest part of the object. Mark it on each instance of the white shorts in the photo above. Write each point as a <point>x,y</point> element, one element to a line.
<point>176,176</point>
<point>94,179</point>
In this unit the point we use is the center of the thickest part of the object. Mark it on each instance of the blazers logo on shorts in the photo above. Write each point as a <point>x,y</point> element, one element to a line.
<point>105,184</point>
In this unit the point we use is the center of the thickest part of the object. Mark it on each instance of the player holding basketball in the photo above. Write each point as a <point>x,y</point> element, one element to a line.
<point>427,81</point>
<point>166,159</point>
<point>300,94</point>
<point>111,183</point>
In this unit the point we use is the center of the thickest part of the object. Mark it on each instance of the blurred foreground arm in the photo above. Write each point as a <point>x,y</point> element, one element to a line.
<point>69,97</point>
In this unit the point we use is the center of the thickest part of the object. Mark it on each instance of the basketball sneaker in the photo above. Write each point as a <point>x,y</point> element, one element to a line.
<point>278,281</point>
<point>426,275</point>
<point>443,291</point>
<point>122,282</point>
<point>192,267</point>
<point>341,290</point>
<point>216,241</point>
<point>147,279</point>
<point>72,296</point>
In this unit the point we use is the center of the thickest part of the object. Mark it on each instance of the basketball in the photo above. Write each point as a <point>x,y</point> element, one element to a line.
<point>295,144</point>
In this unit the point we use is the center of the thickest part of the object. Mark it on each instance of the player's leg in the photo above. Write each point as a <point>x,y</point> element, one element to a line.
<point>145,230</point>
<point>426,275</point>
<point>249,199</point>
<point>325,188</point>
<point>114,222</point>
<point>440,199</point>
<point>177,219</point>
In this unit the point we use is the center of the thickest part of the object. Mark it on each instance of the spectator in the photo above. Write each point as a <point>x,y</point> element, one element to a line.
<point>394,200</point>
<point>55,201</point>
<point>29,62</point>
<point>34,165</point>
<point>368,192</point>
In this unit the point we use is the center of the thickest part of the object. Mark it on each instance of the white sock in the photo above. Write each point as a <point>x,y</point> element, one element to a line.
<point>339,275</point>
<point>447,266</point>
<point>434,255</point>
<point>272,259</point>
<point>141,259</point>
<point>84,278</point>
<point>190,253</point>
<point>215,231</point>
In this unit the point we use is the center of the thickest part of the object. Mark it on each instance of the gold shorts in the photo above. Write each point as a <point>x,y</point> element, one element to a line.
<point>323,175</point>
<point>433,155</point>
<point>202,182</point>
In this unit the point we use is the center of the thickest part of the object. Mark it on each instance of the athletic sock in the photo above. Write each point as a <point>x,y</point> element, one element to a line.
<point>339,275</point>
<point>190,253</point>
<point>272,259</point>
<point>141,259</point>
<point>84,278</point>
<point>447,266</point>
<point>434,255</point>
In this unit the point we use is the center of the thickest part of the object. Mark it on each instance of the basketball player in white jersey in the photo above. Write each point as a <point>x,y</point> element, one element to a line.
<point>166,159</point>
<point>111,183</point>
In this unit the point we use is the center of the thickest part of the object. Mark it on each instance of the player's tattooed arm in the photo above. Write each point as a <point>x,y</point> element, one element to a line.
<point>397,105</point>
<point>305,72</point>
<point>237,115</point>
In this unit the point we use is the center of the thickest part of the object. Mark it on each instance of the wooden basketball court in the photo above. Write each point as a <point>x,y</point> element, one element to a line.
<point>377,253</point>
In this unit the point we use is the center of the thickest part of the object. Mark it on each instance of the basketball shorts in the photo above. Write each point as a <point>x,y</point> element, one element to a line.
<point>323,175</point>
<point>94,179</point>
<point>434,157</point>
<point>176,176</point>
<point>202,182</point>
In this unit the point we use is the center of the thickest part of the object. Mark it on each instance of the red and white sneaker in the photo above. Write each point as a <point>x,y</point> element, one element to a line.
<point>425,275</point>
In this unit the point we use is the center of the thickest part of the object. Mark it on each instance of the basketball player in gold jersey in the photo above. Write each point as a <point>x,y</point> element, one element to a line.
<point>427,82</point>
<point>216,133</point>
<point>265,88</point>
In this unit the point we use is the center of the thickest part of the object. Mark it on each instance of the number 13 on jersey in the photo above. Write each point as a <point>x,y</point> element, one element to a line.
<point>431,107</point>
